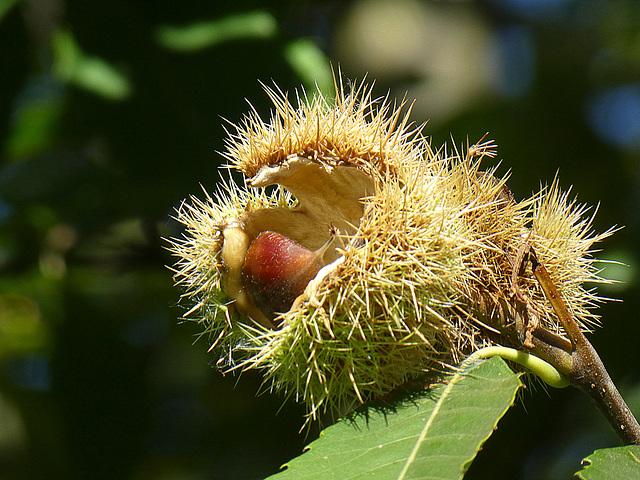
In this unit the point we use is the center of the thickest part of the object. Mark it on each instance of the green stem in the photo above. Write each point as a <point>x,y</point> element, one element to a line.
<point>547,372</point>
<point>547,345</point>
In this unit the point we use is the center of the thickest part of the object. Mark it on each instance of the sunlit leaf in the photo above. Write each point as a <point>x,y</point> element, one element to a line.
<point>311,64</point>
<point>5,7</point>
<point>21,326</point>
<point>34,127</point>
<point>91,73</point>
<point>621,267</point>
<point>256,24</point>
<point>436,436</point>
<point>612,463</point>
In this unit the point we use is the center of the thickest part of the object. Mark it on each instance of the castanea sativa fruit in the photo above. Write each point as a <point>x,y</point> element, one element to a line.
<point>355,258</point>
<point>277,270</point>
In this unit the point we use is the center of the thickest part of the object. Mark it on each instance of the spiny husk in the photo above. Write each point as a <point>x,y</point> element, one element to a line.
<point>430,263</point>
<point>199,269</point>
<point>354,129</point>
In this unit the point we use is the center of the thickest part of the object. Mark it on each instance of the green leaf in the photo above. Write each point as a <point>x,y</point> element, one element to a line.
<point>256,24</point>
<point>434,437</point>
<point>72,65</point>
<point>612,463</point>
<point>311,64</point>
<point>6,6</point>
<point>34,127</point>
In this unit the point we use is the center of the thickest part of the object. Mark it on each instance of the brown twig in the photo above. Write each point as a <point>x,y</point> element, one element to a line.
<point>584,368</point>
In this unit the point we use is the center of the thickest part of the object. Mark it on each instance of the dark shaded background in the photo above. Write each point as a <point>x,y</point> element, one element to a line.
<point>110,115</point>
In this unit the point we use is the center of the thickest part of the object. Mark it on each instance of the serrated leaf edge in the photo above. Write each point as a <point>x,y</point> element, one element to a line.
<point>459,375</point>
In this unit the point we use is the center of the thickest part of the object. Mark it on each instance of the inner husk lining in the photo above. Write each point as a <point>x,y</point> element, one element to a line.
<point>329,199</point>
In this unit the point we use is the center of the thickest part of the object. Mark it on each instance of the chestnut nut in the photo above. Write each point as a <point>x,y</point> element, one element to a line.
<point>276,271</point>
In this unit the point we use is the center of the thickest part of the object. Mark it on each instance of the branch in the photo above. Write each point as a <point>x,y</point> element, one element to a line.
<point>587,371</point>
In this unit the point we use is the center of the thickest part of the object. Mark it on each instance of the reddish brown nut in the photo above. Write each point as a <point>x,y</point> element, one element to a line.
<point>276,271</point>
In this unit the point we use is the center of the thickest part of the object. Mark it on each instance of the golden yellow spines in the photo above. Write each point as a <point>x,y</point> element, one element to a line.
<point>423,268</point>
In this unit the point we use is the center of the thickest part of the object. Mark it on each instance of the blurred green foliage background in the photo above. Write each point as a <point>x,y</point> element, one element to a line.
<point>111,113</point>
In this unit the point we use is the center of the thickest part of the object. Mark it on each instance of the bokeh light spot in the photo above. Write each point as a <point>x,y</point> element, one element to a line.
<point>614,115</point>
